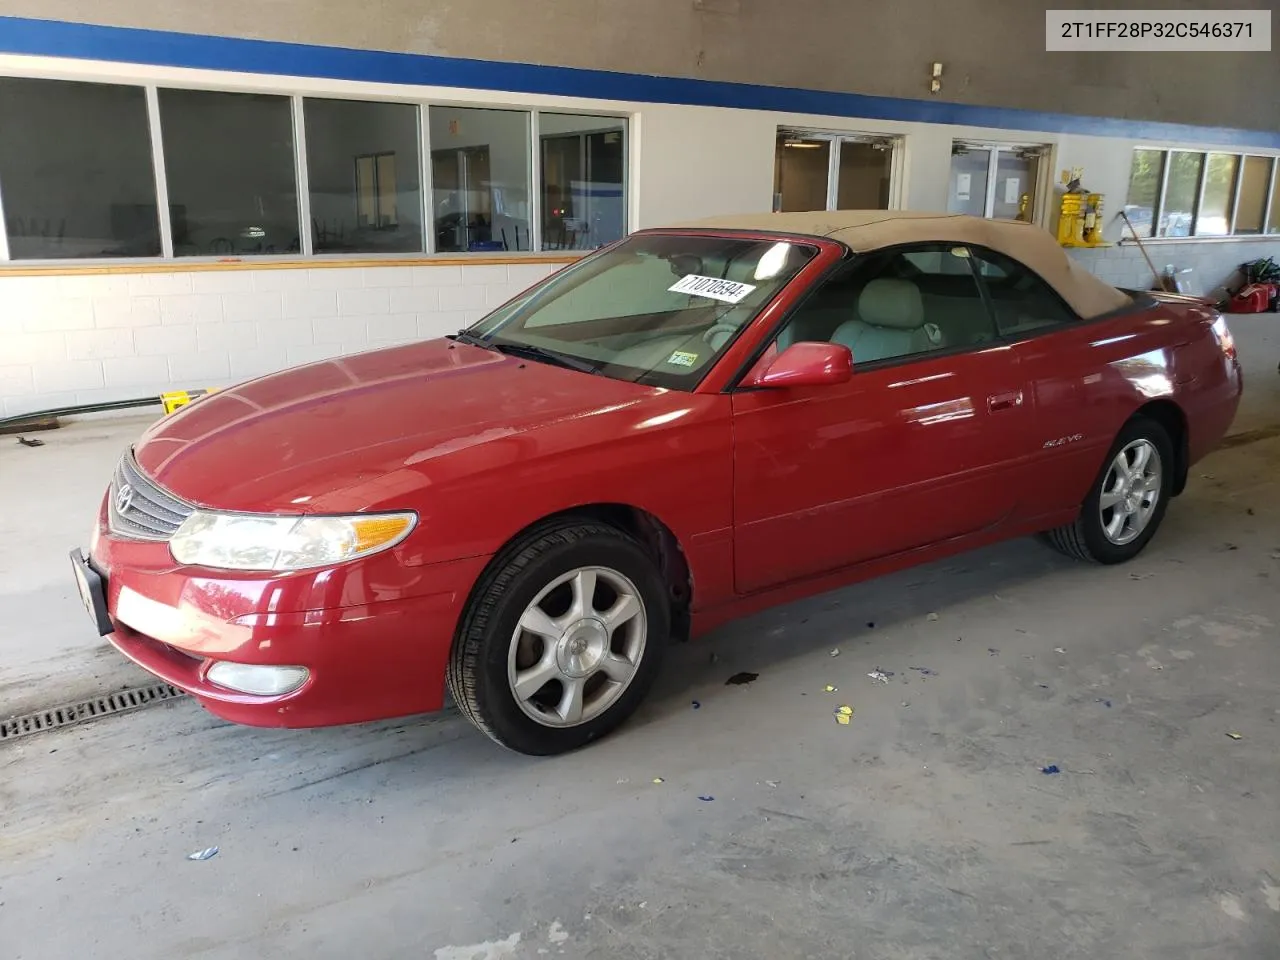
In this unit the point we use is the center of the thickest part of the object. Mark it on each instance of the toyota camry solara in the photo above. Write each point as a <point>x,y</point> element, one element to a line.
<point>685,427</point>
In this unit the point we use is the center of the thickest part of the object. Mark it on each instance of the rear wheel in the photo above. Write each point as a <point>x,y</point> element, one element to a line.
<point>1128,499</point>
<point>562,639</point>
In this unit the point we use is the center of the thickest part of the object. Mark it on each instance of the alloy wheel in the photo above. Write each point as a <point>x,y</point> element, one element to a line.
<point>1130,492</point>
<point>577,646</point>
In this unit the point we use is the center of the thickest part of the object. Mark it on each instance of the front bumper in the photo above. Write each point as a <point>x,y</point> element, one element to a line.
<point>373,634</point>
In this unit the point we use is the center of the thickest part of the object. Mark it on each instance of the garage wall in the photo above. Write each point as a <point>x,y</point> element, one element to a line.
<point>73,334</point>
<point>993,50</point>
<point>89,338</point>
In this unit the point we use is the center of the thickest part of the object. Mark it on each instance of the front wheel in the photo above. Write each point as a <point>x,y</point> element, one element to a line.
<point>1127,502</point>
<point>561,640</point>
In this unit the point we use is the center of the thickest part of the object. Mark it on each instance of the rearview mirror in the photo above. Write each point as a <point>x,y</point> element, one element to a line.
<point>807,364</point>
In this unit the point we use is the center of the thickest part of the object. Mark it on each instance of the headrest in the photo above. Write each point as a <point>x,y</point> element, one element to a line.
<point>891,303</point>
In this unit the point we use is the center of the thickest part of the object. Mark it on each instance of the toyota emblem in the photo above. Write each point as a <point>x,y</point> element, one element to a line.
<point>124,498</point>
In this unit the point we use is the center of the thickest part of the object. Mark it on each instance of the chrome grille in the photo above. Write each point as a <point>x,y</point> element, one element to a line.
<point>149,512</point>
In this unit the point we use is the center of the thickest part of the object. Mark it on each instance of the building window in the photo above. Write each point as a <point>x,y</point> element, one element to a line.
<point>582,189</point>
<point>1144,190</point>
<point>1273,205</point>
<point>229,162</point>
<point>863,178</point>
<point>822,171</point>
<point>1182,187</point>
<point>116,170</point>
<point>995,180</point>
<point>1251,202</point>
<point>75,170</point>
<point>1187,193</point>
<point>363,176</point>
<point>480,177</point>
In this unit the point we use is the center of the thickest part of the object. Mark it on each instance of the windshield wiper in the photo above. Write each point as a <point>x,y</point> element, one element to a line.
<point>466,336</point>
<point>547,356</point>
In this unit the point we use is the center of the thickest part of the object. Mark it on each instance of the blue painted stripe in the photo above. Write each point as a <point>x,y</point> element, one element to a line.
<point>54,38</point>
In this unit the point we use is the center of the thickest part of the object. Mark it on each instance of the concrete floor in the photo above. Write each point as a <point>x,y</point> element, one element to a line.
<point>923,829</point>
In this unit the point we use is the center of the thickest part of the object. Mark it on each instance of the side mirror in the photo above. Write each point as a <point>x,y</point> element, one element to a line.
<point>807,364</point>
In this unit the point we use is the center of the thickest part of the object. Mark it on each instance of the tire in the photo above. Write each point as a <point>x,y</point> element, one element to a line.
<point>496,653</point>
<point>1087,538</point>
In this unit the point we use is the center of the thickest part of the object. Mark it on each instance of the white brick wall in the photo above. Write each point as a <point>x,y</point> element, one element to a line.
<point>1214,264</point>
<point>86,338</point>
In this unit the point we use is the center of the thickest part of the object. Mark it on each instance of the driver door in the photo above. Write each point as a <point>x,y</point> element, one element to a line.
<point>921,445</point>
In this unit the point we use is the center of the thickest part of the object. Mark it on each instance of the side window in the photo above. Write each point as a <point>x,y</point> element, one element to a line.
<point>897,303</point>
<point>1022,301</point>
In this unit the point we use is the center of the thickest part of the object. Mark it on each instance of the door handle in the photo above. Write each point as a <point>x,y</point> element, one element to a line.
<point>1004,401</point>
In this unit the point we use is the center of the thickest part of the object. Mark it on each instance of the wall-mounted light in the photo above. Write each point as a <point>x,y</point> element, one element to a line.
<point>935,78</point>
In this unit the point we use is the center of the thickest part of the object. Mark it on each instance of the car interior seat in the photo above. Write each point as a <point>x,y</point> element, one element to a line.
<point>891,323</point>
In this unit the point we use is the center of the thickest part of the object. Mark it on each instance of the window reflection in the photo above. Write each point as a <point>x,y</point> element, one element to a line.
<point>1214,219</point>
<point>480,179</point>
<point>583,162</point>
<point>76,171</point>
<point>1183,184</point>
<point>362,173</point>
<point>229,161</point>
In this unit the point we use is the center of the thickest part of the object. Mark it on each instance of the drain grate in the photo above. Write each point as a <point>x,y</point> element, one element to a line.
<point>71,714</point>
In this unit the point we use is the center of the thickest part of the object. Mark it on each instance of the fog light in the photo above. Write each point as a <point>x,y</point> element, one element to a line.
<point>262,681</point>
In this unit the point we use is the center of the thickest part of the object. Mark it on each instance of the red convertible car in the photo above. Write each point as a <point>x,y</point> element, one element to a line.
<point>685,427</point>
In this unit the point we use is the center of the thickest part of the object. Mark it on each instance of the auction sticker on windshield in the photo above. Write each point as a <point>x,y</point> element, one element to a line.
<point>728,291</point>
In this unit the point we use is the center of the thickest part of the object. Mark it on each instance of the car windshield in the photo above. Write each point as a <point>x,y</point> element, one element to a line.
<point>656,308</point>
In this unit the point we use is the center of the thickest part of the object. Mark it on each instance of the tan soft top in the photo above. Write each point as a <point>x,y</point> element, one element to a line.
<point>866,230</point>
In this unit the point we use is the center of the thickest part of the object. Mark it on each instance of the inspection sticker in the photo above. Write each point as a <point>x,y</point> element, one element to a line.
<point>728,291</point>
<point>682,358</point>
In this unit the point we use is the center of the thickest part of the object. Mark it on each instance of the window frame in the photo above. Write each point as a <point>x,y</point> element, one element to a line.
<point>1233,214</point>
<point>1042,152</point>
<point>835,140</point>
<point>306,253</point>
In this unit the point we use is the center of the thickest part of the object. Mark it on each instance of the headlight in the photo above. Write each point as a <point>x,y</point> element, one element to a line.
<point>239,541</point>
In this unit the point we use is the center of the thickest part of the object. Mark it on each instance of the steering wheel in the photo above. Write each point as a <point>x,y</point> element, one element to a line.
<point>712,331</point>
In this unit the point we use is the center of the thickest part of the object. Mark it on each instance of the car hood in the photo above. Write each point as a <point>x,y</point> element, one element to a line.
<point>294,441</point>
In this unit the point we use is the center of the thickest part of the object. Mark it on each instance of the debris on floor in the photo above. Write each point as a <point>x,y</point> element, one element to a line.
<point>871,624</point>
<point>925,671</point>
<point>829,688</point>
<point>208,853</point>
<point>993,651</point>
<point>739,679</point>
<point>1043,686</point>
<point>697,705</point>
<point>843,714</point>
<point>1051,768</point>
<point>880,676</point>
<point>1059,649</point>
<point>31,441</point>
<point>933,616</point>
<point>1103,701</point>
<point>772,783</point>
<point>706,798</point>
<point>1236,736</point>
<point>835,651</point>
<point>658,780</point>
